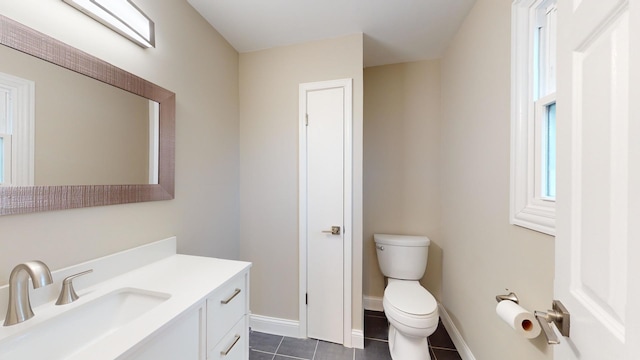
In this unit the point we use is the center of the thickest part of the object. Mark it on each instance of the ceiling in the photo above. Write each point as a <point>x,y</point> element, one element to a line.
<point>394,31</point>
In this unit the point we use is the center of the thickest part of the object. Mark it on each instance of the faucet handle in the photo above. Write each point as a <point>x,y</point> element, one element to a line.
<point>68,293</point>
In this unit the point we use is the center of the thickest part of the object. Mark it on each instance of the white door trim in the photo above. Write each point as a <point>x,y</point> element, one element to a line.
<point>346,84</point>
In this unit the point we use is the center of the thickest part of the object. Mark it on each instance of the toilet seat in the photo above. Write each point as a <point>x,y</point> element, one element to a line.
<point>410,297</point>
<point>408,303</point>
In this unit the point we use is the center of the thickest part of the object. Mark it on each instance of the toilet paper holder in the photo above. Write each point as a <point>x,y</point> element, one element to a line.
<point>558,315</point>
<point>510,296</point>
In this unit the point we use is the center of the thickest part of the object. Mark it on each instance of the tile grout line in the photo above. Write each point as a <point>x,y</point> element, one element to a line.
<point>290,357</point>
<point>278,348</point>
<point>376,339</point>
<point>431,352</point>
<point>315,350</point>
<point>444,348</point>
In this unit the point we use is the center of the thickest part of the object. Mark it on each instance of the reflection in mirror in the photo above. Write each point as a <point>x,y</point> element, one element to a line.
<point>90,133</point>
<point>100,135</point>
<point>2,155</point>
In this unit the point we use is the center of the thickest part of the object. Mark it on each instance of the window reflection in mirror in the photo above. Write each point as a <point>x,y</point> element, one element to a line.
<point>2,161</point>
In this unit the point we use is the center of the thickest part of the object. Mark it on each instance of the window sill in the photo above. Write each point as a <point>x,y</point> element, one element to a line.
<point>538,218</point>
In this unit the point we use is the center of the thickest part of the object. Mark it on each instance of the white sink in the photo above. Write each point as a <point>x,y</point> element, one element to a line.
<point>63,335</point>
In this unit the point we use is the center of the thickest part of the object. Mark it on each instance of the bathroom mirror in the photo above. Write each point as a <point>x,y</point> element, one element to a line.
<point>140,141</point>
<point>85,132</point>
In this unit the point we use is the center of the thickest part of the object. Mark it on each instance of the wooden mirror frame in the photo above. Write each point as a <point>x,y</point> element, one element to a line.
<point>28,199</point>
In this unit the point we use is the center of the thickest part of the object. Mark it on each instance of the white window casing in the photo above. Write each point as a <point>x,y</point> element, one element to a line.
<point>532,91</point>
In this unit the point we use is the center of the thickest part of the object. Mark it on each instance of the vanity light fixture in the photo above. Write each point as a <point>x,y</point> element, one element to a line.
<point>121,16</point>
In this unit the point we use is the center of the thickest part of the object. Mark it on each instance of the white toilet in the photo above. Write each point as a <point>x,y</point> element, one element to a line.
<point>412,311</point>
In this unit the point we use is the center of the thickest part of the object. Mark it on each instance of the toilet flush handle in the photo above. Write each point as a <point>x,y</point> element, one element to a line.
<point>380,247</point>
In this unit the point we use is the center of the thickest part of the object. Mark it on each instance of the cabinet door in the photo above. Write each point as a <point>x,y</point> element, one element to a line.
<point>234,345</point>
<point>182,340</point>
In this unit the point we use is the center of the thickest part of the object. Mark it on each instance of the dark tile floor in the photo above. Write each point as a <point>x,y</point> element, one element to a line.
<point>273,347</point>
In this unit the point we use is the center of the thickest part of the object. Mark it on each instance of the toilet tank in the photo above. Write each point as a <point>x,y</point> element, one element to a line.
<point>402,256</point>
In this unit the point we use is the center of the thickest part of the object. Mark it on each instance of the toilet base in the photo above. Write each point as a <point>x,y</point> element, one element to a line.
<point>404,347</point>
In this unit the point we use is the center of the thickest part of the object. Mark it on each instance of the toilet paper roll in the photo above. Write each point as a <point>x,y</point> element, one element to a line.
<point>521,320</point>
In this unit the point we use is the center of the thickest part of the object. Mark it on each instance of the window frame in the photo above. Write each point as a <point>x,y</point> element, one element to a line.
<point>530,96</point>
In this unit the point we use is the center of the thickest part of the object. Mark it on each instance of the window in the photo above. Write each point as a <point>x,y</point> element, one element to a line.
<point>549,153</point>
<point>533,127</point>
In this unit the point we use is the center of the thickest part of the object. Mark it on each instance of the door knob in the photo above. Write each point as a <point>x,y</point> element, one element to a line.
<point>335,230</point>
<point>559,316</point>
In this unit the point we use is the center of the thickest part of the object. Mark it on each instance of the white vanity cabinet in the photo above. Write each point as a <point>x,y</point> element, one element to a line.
<point>217,329</point>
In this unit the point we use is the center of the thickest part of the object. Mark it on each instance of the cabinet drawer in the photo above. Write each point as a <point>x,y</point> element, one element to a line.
<point>234,345</point>
<point>224,308</point>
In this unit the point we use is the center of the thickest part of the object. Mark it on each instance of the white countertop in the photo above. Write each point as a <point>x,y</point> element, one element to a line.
<point>188,279</point>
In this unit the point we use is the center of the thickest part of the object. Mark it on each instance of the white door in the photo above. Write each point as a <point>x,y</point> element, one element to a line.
<point>597,243</point>
<point>323,218</point>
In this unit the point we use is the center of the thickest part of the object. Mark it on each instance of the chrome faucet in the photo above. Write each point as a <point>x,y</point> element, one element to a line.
<point>19,308</point>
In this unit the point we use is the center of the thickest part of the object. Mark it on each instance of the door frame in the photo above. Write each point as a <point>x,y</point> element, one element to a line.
<point>347,85</point>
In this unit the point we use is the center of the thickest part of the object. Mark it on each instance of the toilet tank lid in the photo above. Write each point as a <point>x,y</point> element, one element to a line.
<point>401,240</point>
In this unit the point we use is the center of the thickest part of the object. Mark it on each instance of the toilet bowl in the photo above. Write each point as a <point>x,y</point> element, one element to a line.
<point>411,310</point>
<point>413,315</point>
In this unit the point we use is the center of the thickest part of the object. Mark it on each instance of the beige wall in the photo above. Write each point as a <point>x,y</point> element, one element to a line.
<point>401,155</point>
<point>482,253</point>
<point>269,83</point>
<point>196,63</point>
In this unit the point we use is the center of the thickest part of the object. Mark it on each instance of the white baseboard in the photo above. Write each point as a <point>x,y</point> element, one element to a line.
<point>291,328</point>
<point>275,326</point>
<point>456,337</point>
<point>372,303</point>
<point>357,339</point>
